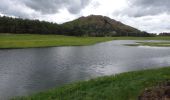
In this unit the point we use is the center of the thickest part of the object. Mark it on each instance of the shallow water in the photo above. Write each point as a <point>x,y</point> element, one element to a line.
<point>26,71</point>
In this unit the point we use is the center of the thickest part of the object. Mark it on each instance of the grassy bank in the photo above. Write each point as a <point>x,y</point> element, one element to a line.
<point>126,86</point>
<point>28,41</point>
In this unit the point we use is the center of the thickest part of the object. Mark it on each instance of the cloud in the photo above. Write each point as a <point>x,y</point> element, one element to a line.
<point>53,6</point>
<point>63,15</point>
<point>146,15</point>
<point>139,8</point>
<point>153,24</point>
<point>104,7</point>
<point>152,3</point>
<point>36,8</point>
<point>16,8</point>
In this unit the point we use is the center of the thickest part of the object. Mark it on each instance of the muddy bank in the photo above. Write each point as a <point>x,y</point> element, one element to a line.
<point>160,92</point>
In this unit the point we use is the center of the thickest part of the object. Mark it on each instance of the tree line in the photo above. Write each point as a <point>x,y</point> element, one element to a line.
<point>19,25</point>
<point>164,34</point>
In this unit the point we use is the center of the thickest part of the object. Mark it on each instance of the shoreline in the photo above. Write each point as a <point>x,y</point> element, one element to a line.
<point>124,86</point>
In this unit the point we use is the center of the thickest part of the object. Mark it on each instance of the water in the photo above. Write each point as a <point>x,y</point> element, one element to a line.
<point>26,71</point>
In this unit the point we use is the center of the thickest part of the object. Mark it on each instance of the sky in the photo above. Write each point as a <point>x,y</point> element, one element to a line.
<point>147,15</point>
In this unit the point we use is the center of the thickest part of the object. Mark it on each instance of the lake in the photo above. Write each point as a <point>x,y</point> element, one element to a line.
<point>26,71</point>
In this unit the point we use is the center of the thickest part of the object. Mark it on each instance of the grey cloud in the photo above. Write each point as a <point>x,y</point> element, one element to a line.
<point>159,3</point>
<point>147,15</point>
<point>153,7</point>
<point>139,8</point>
<point>53,6</point>
<point>78,6</point>
<point>12,8</point>
<point>35,8</point>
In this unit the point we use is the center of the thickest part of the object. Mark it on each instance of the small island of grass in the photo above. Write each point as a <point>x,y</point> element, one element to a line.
<point>158,44</point>
<point>155,44</point>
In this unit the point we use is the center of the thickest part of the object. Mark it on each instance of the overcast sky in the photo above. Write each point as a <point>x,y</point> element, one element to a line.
<point>146,15</point>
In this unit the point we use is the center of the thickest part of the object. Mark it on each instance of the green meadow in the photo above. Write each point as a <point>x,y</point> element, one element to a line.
<point>8,41</point>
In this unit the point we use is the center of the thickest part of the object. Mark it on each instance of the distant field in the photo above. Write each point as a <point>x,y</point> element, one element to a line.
<point>126,86</point>
<point>32,41</point>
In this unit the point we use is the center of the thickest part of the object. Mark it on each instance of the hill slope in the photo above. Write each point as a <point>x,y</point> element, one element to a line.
<point>96,25</point>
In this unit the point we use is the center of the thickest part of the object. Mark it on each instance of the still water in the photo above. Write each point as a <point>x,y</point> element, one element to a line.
<point>26,71</point>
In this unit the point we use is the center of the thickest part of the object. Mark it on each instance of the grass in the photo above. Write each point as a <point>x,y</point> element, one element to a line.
<point>32,41</point>
<point>125,86</point>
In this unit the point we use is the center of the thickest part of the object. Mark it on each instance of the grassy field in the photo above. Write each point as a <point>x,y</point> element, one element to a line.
<point>125,86</point>
<point>30,41</point>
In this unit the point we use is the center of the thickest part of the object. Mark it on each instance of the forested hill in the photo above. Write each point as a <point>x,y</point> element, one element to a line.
<point>93,25</point>
<point>96,25</point>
